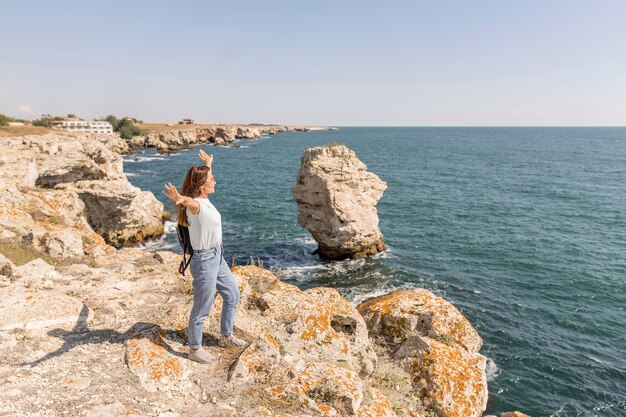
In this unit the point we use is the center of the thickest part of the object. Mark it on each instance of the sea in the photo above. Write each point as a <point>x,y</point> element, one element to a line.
<point>523,229</point>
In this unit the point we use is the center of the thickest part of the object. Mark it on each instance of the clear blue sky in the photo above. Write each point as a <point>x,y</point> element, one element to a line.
<point>500,62</point>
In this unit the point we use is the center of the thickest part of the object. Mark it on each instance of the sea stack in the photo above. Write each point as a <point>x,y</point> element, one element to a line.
<point>337,199</point>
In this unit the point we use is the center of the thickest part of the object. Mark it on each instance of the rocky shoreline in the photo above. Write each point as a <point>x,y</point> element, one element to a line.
<point>174,138</point>
<point>90,328</point>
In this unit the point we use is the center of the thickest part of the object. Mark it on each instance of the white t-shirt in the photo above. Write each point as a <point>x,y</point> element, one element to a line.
<point>205,228</point>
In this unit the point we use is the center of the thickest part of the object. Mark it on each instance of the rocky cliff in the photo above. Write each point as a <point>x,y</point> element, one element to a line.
<point>110,340</point>
<point>82,171</point>
<point>169,139</point>
<point>86,329</point>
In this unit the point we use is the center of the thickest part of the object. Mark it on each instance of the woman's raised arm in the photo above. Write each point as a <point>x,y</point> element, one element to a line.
<point>206,158</point>
<point>172,194</point>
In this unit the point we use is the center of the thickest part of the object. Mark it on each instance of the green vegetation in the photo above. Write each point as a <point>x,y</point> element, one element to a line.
<point>20,254</point>
<point>5,120</point>
<point>125,126</point>
<point>45,120</point>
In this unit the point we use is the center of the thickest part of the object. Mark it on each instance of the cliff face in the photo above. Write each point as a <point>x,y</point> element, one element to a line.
<point>336,200</point>
<point>63,170</point>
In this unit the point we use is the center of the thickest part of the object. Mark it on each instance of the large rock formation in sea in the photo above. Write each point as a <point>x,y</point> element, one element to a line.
<point>336,199</point>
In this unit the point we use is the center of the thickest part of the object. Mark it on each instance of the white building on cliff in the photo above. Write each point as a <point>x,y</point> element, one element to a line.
<point>77,125</point>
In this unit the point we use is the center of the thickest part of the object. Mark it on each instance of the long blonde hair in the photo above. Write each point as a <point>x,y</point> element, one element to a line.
<point>194,180</point>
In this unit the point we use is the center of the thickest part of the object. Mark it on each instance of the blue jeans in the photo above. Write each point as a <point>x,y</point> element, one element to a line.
<point>210,271</point>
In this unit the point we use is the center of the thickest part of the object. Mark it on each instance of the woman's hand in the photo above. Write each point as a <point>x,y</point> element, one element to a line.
<point>206,158</point>
<point>172,194</point>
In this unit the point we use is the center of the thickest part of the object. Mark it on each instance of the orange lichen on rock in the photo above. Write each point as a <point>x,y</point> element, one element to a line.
<point>152,363</point>
<point>450,379</point>
<point>378,407</point>
<point>260,357</point>
<point>405,312</point>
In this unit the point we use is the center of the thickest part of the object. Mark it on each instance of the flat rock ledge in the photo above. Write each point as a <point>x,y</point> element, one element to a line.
<point>336,200</point>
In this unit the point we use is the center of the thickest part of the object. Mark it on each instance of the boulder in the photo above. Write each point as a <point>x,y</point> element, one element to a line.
<point>23,308</point>
<point>138,142</point>
<point>436,344</point>
<point>76,160</point>
<point>318,325</point>
<point>323,388</point>
<point>151,359</point>
<point>378,406</point>
<point>336,200</point>
<point>63,207</point>
<point>514,414</point>
<point>7,268</point>
<point>57,242</point>
<point>247,132</point>
<point>448,378</point>
<point>14,222</point>
<point>120,212</point>
<point>405,312</point>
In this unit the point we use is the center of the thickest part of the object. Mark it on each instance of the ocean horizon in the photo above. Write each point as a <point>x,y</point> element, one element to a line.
<point>523,229</point>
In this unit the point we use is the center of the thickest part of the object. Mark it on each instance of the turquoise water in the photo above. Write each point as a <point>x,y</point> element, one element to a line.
<point>523,229</point>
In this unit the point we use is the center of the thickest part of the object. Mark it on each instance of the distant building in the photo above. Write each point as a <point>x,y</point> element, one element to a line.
<point>16,124</point>
<point>76,125</point>
<point>186,122</point>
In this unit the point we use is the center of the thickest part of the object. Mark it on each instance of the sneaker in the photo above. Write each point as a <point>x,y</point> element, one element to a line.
<point>231,340</point>
<point>200,355</point>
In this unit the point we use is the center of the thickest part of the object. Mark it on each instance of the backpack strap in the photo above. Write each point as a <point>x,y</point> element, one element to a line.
<point>182,267</point>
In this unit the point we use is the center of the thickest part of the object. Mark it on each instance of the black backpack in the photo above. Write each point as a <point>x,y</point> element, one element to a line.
<point>185,244</point>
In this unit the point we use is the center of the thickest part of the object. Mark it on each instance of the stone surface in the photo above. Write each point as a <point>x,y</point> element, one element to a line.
<point>436,344</point>
<point>336,200</point>
<point>57,242</point>
<point>22,308</point>
<point>514,414</point>
<point>62,207</point>
<point>378,406</point>
<point>449,379</point>
<point>6,266</point>
<point>150,358</point>
<point>81,165</point>
<point>404,312</point>
<point>121,213</point>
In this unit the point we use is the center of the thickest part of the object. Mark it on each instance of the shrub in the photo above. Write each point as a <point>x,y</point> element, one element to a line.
<point>4,120</point>
<point>125,126</point>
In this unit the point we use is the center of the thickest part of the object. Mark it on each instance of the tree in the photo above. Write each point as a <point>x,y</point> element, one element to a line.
<point>125,126</point>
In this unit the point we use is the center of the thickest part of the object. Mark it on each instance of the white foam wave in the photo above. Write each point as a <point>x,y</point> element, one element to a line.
<point>153,245</point>
<point>389,253</point>
<point>170,227</point>
<point>308,240</point>
<point>144,158</point>
<point>491,370</point>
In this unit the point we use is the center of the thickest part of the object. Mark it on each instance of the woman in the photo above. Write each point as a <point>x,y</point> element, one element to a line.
<point>208,266</point>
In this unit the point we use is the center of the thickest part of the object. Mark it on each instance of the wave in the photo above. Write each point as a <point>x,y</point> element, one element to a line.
<point>161,243</point>
<point>144,158</point>
<point>491,370</point>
